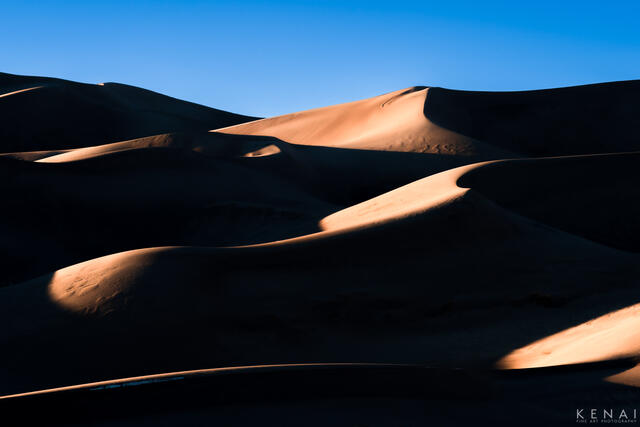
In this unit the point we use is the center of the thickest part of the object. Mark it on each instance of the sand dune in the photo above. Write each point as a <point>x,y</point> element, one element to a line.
<point>391,122</point>
<point>47,113</point>
<point>598,118</point>
<point>612,336</point>
<point>578,120</point>
<point>378,394</point>
<point>388,244</point>
<point>425,226</point>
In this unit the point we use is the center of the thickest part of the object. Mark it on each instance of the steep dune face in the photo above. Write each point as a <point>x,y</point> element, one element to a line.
<point>595,197</point>
<point>46,113</point>
<point>405,228</point>
<point>599,118</point>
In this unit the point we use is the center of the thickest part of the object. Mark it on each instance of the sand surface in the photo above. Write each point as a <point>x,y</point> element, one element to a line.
<point>493,233</point>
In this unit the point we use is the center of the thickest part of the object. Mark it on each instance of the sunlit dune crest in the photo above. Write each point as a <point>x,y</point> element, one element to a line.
<point>15,92</point>
<point>173,376</point>
<point>612,336</point>
<point>269,150</point>
<point>86,287</point>
<point>410,200</point>
<point>630,377</point>
<point>206,143</point>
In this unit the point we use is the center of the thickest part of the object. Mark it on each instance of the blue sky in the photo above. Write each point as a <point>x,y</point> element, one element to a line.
<point>267,58</point>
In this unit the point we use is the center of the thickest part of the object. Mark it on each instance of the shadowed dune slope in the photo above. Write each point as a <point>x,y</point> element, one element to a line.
<point>61,213</point>
<point>46,113</point>
<point>414,274</point>
<point>596,197</point>
<point>206,185</point>
<point>597,118</point>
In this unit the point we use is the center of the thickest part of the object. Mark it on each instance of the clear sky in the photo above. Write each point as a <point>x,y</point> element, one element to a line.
<point>273,57</point>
